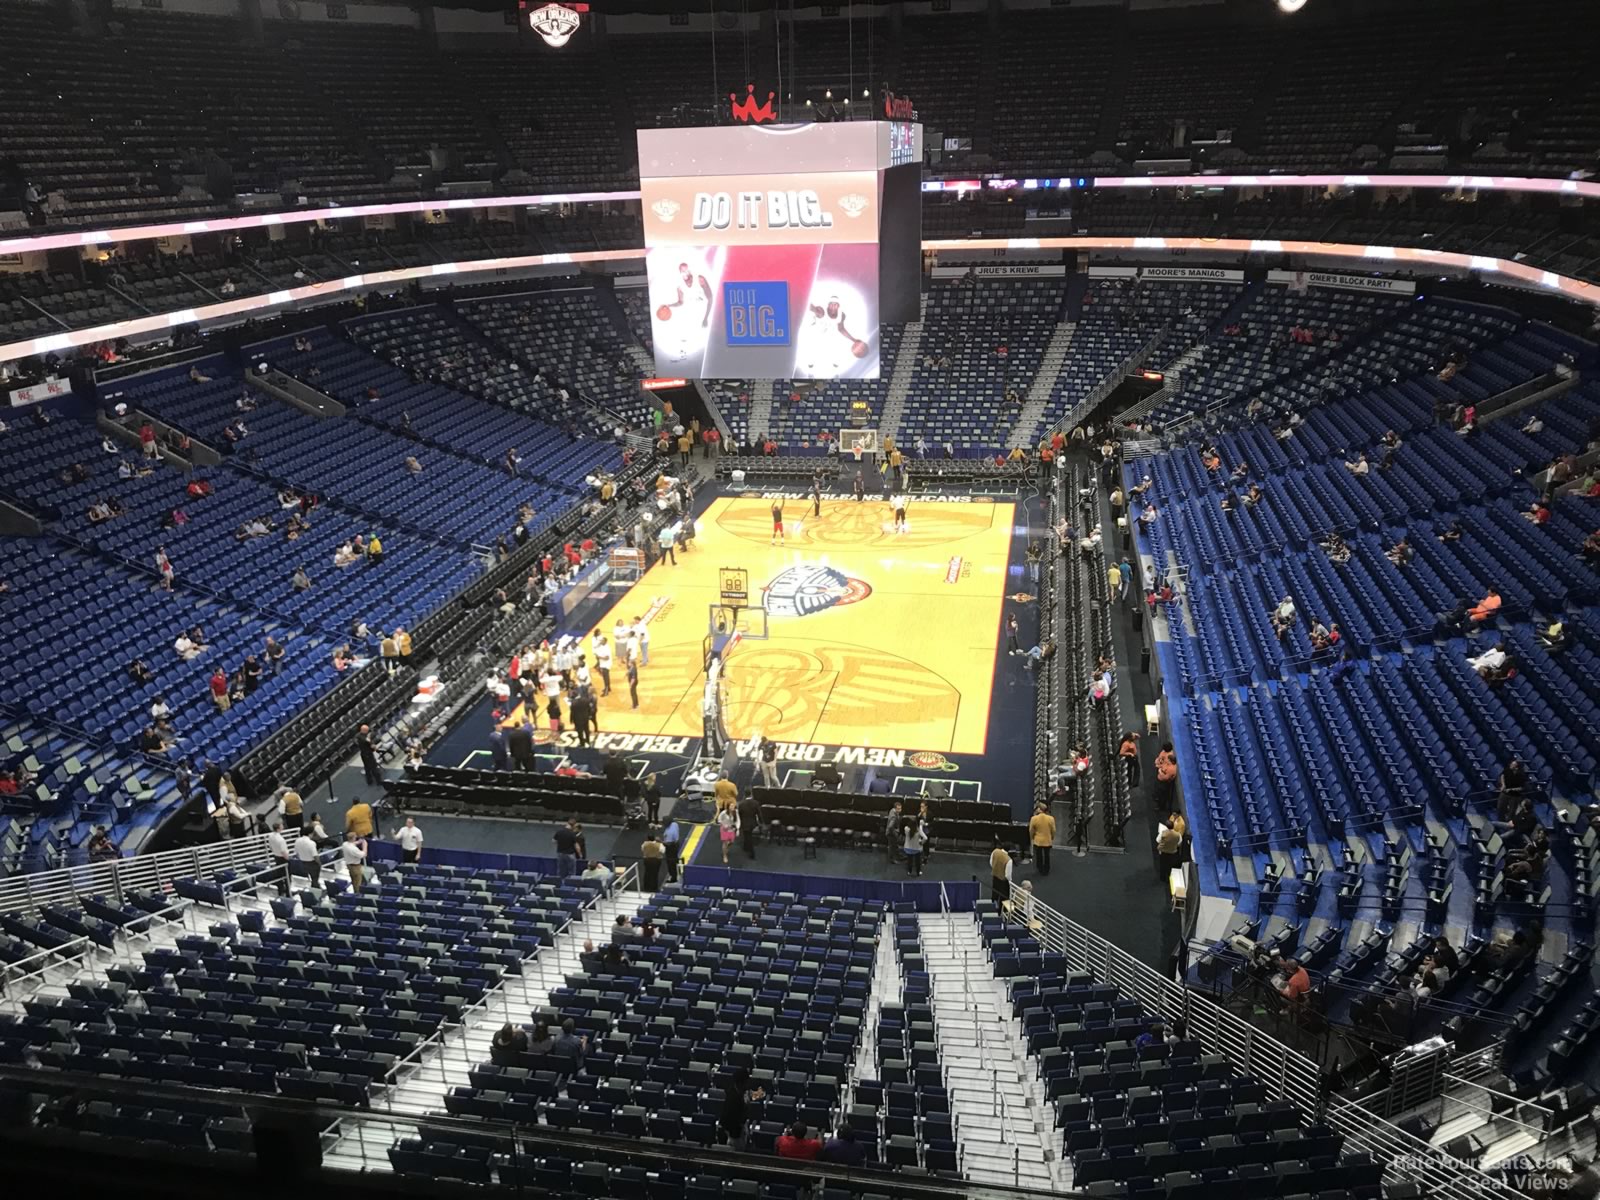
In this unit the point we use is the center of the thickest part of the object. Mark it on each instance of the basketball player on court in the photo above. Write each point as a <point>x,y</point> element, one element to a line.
<point>860,488</point>
<point>899,503</point>
<point>816,495</point>
<point>825,357</point>
<point>777,523</point>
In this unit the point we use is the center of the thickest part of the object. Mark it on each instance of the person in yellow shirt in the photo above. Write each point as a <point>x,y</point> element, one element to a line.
<point>292,808</point>
<point>1042,833</point>
<point>374,551</point>
<point>402,641</point>
<point>1000,869</point>
<point>358,819</point>
<point>726,792</point>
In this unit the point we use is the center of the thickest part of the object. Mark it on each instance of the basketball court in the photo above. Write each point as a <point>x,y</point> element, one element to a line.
<point>871,637</point>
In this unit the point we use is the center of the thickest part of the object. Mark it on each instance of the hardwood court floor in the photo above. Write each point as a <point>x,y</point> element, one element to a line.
<point>875,638</point>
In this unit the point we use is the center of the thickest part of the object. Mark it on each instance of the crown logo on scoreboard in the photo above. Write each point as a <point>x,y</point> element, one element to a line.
<point>853,205</point>
<point>748,111</point>
<point>556,23</point>
<point>666,209</point>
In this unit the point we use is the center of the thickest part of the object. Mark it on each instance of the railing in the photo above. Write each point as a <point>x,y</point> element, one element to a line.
<point>368,1136</point>
<point>1106,386</point>
<point>1285,1072</point>
<point>22,977</point>
<point>20,893</point>
<point>1531,1118</point>
<point>448,1041</point>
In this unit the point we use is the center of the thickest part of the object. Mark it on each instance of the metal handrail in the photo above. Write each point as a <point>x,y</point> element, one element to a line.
<point>82,948</point>
<point>1542,1117</point>
<point>23,893</point>
<point>1283,1071</point>
<point>517,1140</point>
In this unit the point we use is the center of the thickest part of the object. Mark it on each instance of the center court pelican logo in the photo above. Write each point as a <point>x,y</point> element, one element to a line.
<point>801,591</point>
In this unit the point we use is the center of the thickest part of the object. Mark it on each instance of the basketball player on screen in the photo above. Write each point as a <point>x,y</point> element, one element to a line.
<point>825,356</point>
<point>693,296</point>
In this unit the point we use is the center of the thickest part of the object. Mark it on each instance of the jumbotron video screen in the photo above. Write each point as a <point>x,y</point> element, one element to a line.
<point>763,247</point>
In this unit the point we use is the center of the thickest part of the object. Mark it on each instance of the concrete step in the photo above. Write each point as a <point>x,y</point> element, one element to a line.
<point>1518,1142</point>
<point>1457,1126</point>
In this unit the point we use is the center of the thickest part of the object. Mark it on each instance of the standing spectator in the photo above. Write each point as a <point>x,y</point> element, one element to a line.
<point>1129,753</point>
<point>633,680</point>
<point>749,814</point>
<point>219,689</point>
<point>736,1095</point>
<point>354,856</point>
<point>727,827</point>
<point>410,839</point>
<point>1042,833</point>
<point>1169,843</point>
<point>292,808</point>
<point>913,842</point>
<point>602,662</point>
<point>768,763</point>
<point>519,742</point>
<point>1512,784</point>
<point>566,842</point>
<point>652,852</point>
<point>892,838</point>
<point>1166,774</point>
<point>305,851</point>
<point>369,755</point>
<point>1011,634</point>
<point>147,441</point>
<point>652,799</point>
<point>278,851</point>
<point>641,639</point>
<point>358,819</point>
<point>1000,874</point>
<point>672,842</point>
<point>615,772</point>
<point>164,568</point>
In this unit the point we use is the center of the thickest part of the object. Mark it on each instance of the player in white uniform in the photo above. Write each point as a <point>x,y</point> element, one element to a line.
<point>829,346</point>
<point>689,313</point>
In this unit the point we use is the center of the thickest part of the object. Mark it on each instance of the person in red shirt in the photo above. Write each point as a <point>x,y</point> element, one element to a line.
<point>795,1143</point>
<point>708,442</point>
<point>219,689</point>
<point>147,440</point>
<point>1296,983</point>
<point>8,785</point>
<point>1057,441</point>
